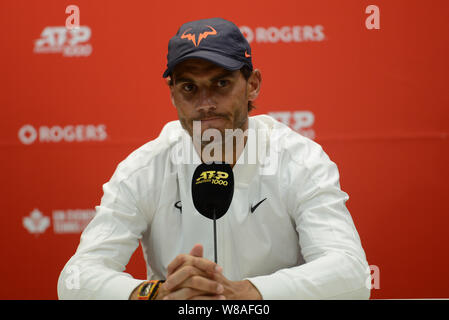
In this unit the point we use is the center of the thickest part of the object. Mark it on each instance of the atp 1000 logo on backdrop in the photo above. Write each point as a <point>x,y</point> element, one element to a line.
<point>69,42</point>
<point>300,121</point>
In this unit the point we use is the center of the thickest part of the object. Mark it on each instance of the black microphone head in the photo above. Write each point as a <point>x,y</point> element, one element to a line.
<point>213,188</point>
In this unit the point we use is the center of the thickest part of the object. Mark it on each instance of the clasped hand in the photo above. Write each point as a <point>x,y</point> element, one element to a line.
<point>191,276</point>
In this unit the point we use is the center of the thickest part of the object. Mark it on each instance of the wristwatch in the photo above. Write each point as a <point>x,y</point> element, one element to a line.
<point>148,290</point>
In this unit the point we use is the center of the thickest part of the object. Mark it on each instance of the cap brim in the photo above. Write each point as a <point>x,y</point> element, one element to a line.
<point>216,58</point>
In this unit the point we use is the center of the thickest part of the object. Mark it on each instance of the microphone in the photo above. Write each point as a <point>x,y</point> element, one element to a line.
<point>212,192</point>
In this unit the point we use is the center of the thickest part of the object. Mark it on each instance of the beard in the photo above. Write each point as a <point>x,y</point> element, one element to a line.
<point>217,136</point>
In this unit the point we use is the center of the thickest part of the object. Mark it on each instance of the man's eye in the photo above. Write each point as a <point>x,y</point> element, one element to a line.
<point>222,83</point>
<point>188,87</point>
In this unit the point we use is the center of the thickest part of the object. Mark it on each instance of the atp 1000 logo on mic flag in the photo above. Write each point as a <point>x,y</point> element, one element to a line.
<point>213,189</point>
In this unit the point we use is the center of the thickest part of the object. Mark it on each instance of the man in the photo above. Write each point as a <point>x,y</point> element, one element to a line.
<point>287,233</point>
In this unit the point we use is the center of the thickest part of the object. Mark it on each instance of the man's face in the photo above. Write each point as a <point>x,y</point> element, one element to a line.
<point>205,92</point>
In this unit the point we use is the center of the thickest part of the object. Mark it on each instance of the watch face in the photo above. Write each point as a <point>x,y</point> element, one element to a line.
<point>145,290</point>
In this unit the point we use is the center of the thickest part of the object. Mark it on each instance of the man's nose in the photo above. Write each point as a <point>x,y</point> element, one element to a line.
<point>205,101</point>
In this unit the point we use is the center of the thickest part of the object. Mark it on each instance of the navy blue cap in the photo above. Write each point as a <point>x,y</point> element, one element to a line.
<point>216,40</point>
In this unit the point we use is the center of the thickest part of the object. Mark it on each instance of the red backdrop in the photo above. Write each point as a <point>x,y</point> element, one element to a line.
<point>76,103</point>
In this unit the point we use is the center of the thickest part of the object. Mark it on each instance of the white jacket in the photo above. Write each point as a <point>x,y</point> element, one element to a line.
<point>299,243</point>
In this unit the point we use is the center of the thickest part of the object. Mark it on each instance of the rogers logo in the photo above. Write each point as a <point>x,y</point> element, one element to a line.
<point>299,121</point>
<point>70,133</point>
<point>283,34</point>
<point>69,42</point>
<point>27,134</point>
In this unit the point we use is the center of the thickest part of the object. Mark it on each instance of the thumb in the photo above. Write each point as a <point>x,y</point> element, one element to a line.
<point>197,250</point>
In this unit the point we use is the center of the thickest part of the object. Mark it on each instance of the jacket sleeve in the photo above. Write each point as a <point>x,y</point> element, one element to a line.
<point>96,271</point>
<point>335,264</point>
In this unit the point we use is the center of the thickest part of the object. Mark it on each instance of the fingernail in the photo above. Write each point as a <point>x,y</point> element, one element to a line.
<point>221,298</point>
<point>220,288</point>
<point>165,298</point>
<point>218,269</point>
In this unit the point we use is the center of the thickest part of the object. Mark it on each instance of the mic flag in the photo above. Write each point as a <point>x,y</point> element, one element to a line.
<point>213,189</point>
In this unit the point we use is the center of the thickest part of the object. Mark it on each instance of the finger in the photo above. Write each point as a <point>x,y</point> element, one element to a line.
<point>188,260</point>
<point>197,251</point>
<point>181,275</point>
<point>183,294</point>
<point>177,262</point>
<point>192,294</point>
<point>215,297</point>
<point>203,284</point>
<point>219,277</point>
<point>206,265</point>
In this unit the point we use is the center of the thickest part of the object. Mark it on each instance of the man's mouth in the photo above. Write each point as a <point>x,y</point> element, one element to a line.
<point>211,120</point>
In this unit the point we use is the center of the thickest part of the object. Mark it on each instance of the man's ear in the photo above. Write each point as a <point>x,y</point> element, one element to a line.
<point>254,82</point>
<point>168,81</point>
<point>170,86</point>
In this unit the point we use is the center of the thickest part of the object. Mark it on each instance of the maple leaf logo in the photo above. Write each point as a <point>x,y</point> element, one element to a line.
<point>36,222</point>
